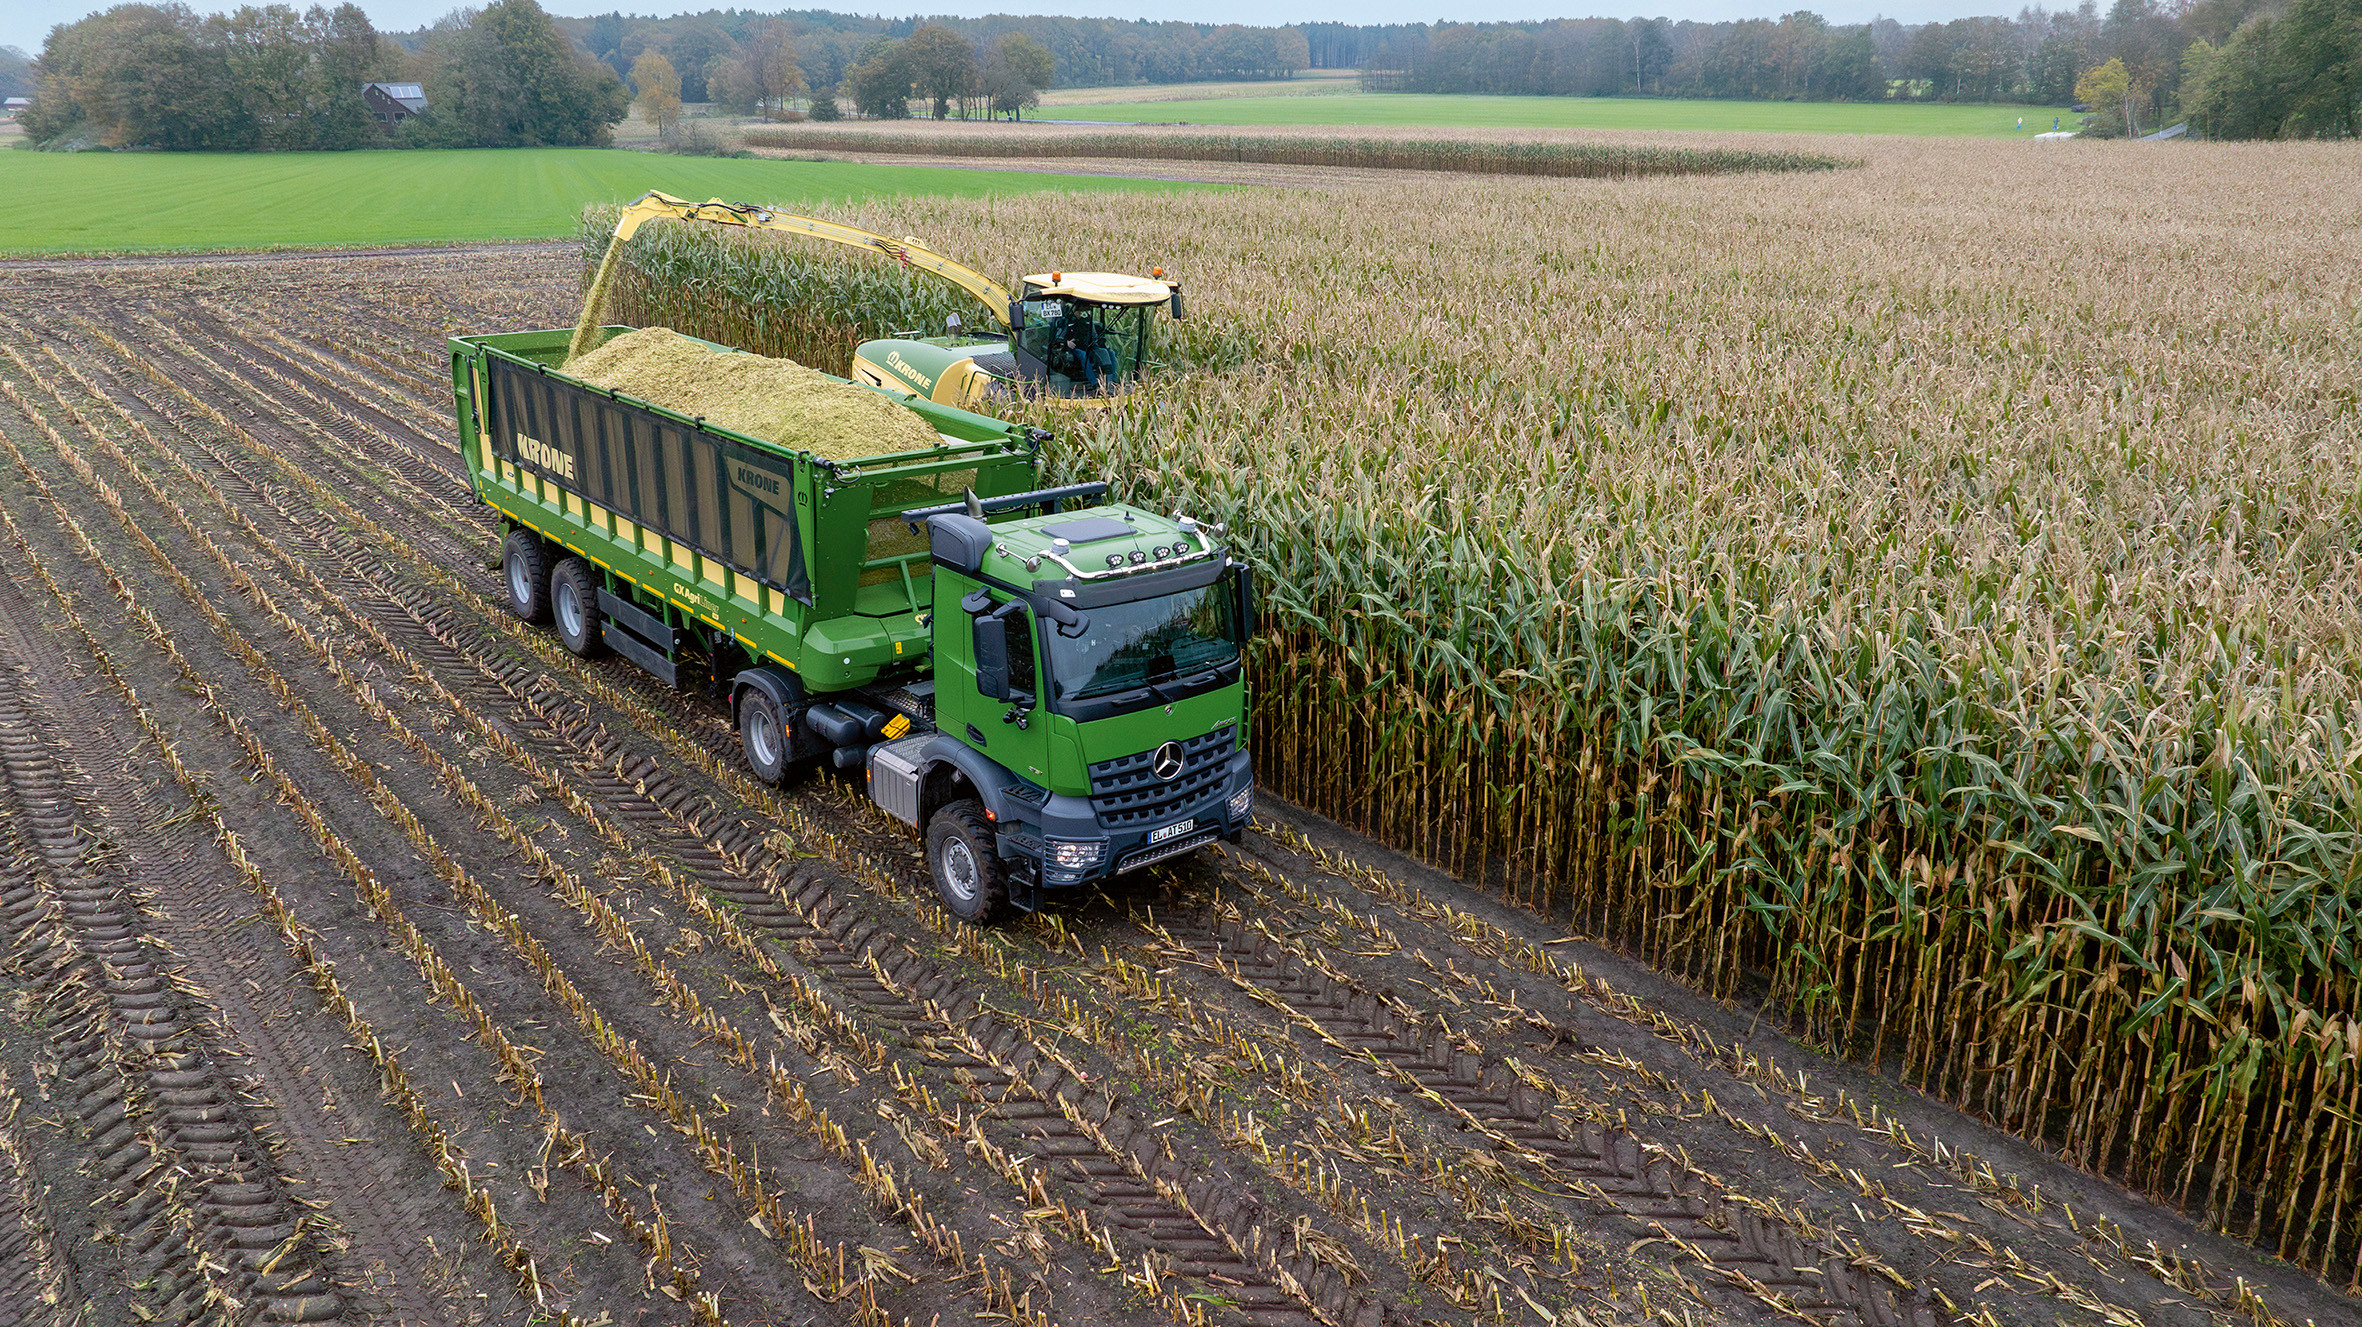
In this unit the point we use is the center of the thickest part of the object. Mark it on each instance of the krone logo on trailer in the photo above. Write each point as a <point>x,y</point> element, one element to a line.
<point>549,458</point>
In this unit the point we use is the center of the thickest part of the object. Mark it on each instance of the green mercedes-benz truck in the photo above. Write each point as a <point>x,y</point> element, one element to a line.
<point>1048,687</point>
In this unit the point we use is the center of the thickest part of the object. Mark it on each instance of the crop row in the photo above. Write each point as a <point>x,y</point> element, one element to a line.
<point>1284,901</point>
<point>302,941</point>
<point>188,1188</point>
<point>37,1279</point>
<point>1565,160</point>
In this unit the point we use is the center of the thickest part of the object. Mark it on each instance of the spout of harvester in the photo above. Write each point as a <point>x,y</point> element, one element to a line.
<point>646,208</point>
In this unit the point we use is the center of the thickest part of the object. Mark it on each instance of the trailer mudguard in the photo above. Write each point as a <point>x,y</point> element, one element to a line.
<point>779,684</point>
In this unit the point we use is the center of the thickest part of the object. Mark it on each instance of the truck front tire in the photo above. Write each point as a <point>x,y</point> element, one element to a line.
<point>963,853</point>
<point>524,570</point>
<point>574,606</point>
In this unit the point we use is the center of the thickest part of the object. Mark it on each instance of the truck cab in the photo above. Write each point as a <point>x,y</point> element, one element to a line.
<point>1089,696</point>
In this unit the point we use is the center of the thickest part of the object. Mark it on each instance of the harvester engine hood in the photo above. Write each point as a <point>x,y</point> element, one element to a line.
<point>959,374</point>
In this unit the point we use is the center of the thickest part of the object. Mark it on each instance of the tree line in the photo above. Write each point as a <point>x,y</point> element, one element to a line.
<point>2236,68</point>
<point>508,74</point>
<point>944,71</point>
<point>761,71</point>
<point>271,78</point>
<point>164,76</point>
<point>1085,52</point>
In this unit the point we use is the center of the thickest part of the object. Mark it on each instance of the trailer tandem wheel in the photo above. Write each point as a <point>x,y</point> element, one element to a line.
<point>524,571</point>
<point>574,605</point>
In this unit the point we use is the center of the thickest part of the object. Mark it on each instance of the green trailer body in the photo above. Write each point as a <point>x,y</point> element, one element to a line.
<point>691,518</point>
<point>1051,695</point>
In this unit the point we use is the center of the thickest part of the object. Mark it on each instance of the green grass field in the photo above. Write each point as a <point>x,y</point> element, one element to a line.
<point>1443,111</point>
<point>99,202</point>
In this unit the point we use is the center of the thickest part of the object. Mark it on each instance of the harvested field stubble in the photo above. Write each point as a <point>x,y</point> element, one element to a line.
<point>1288,1083</point>
<point>1923,597</point>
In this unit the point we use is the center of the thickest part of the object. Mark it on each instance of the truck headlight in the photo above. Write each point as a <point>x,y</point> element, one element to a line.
<point>1242,802</point>
<point>1074,854</point>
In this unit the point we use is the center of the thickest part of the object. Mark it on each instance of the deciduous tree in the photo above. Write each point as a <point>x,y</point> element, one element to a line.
<point>942,66</point>
<point>2320,50</point>
<point>760,77</point>
<point>659,86</point>
<point>880,83</point>
<point>504,76</point>
<point>2108,90</point>
<point>1016,69</point>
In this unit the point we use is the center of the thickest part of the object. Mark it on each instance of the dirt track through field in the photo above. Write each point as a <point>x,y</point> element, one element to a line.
<point>372,959</point>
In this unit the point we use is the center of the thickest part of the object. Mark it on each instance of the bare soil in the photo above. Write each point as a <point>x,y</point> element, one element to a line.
<point>371,959</point>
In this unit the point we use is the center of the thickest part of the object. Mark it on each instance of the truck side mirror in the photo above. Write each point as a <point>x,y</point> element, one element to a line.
<point>1246,600</point>
<point>1177,304</point>
<point>992,656</point>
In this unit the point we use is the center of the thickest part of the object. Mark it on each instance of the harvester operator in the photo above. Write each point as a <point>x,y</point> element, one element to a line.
<point>1082,352</point>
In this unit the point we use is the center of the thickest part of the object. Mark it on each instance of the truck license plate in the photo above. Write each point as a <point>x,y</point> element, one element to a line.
<point>1174,830</point>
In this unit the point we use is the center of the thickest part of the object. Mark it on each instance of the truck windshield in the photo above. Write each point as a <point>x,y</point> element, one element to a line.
<point>1150,641</point>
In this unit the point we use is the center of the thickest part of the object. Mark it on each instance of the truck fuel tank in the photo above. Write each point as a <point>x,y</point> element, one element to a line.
<point>847,722</point>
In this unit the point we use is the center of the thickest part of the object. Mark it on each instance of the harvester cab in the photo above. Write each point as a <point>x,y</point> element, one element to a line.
<point>1081,337</point>
<point>1085,333</point>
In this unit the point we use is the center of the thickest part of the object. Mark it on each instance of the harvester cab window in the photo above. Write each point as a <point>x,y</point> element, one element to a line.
<point>1092,346</point>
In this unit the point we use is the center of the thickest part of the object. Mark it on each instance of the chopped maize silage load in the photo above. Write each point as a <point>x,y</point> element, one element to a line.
<point>777,400</point>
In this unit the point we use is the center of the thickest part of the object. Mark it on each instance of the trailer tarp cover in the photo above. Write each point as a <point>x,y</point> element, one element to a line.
<point>729,501</point>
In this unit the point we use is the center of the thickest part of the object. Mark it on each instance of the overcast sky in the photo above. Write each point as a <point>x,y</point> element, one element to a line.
<point>23,23</point>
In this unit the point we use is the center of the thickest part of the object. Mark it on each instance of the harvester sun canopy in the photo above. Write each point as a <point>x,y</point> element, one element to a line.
<point>1098,287</point>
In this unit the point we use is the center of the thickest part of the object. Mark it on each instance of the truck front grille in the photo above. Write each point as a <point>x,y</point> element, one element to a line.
<point>1126,790</point>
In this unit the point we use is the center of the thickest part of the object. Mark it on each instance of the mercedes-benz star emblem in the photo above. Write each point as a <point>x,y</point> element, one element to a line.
<point>1167,762</point>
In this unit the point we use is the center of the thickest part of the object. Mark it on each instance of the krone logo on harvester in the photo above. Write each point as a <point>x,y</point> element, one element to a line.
<point>895,362</point>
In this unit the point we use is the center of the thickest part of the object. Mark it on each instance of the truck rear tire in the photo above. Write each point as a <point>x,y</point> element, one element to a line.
<point>524,570</point>
<point>965,858</point>
<point>574,607</point>
<point>763,736</point>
